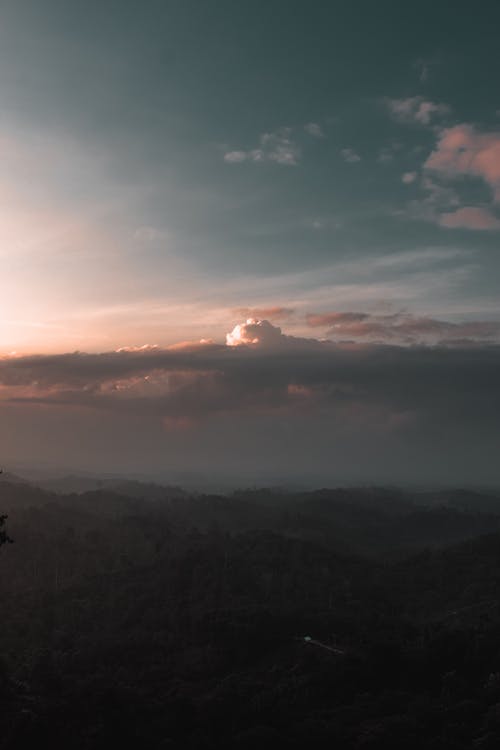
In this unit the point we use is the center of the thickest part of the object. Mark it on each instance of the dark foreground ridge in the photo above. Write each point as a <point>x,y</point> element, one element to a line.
<point>148,618</point>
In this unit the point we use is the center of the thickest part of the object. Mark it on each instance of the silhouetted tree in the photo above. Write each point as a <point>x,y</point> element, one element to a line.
<point>4,537</point>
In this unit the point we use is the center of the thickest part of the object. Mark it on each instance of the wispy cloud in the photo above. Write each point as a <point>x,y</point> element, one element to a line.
<point>385,155</point>
<point>314,129</point>
<point>322,320</point>
<point>266,313</point>
<point>423,67</point>
<point>235,157</point>
<point>436,199</point>
<point>276,146</point>
<point>350,155</point>
<point>470,217</point>
<point>416,109</point>
<point>402,328</point>
<point>408,178</point>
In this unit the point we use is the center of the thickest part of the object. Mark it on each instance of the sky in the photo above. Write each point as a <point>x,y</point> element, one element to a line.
<point>258,239</point>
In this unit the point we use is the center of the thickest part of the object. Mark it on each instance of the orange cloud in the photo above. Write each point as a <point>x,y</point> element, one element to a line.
<point>402,327</point>
<point>463,151</point>
<point>264,313</point>
<point>470,217</point>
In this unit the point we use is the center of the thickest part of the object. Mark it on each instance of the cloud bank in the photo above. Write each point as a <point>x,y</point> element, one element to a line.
<point>265,401</point>
<point>258,365</point>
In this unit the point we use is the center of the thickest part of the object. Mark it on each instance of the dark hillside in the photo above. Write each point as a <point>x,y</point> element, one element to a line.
<point>216,622</point>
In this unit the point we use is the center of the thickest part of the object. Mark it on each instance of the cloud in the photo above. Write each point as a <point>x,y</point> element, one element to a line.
<point>268,313</point>
<point>460,152</point>
<point>354,388</point>
<point>314,129</point>
<point>385,155</point>
<point>422,67</point>
<point>416,109</point>
<point>262,333</point>
<point>143,348</point>
<point>349,155</point>
<point>463,151</point>
<point>369,411</point>
<point>235,157</point>
<point>437,198</point>
<point>316,320</point>
<point>254,332</point>
<point>470,217</point>
<point>409,177</point>
<point>402,328</point>
<point>275,147</point>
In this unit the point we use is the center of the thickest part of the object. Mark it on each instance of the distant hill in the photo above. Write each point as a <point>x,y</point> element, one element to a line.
<point>367,521</point>
<point>73,484</point>
<point>470,500</point>
<point>9,478</point>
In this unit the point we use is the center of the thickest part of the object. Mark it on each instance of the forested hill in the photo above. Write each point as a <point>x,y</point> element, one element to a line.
<point>339,618</point>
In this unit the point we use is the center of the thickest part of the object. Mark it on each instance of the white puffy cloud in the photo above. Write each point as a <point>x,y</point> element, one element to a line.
<point>255,332</point>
